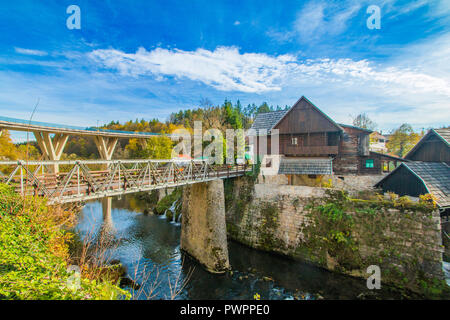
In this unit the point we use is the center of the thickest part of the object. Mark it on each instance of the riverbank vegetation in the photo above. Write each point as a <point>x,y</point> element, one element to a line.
<point>35,257</point>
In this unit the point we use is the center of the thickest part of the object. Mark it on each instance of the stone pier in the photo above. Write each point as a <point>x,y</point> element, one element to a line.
<point>203,227</point>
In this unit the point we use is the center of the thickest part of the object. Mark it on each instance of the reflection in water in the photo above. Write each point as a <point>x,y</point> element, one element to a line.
<point>149,247</point>
<point>107,225</point>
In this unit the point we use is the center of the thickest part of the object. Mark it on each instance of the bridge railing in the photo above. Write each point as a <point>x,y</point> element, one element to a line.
<point>89,179</point>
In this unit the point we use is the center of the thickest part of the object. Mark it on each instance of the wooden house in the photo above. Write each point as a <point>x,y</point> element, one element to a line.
<point>433,147</point>
<point>318,143</point>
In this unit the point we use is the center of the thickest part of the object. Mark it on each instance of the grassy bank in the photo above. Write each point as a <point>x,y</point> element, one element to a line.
<point>34,253</point>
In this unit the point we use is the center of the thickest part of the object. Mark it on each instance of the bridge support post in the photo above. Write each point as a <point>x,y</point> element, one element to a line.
<point>106,147</point>
<point>52,149</point>
<point>203,228</point>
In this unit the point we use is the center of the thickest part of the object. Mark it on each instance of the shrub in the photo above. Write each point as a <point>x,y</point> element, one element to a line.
<point>34,253</point>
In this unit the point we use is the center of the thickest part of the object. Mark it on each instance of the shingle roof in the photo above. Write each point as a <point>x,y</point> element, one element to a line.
<point>305,166</point>
<point>444,133</point>
<point>267,120</point>
<point>436,176</point>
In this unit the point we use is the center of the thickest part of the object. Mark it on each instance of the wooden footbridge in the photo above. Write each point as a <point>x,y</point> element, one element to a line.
<point>83,180</point>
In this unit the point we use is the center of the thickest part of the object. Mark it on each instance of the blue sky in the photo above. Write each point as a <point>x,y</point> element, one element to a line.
<point>146,59</point>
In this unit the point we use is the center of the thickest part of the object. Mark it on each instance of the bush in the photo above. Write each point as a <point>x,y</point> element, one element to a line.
<point>34,253</point>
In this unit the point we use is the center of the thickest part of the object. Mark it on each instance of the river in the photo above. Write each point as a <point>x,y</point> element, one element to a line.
<point>149,247</point>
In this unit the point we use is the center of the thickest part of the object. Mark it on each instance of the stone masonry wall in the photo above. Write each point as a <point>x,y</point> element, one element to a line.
<point>351,183</point>
<point>203,228</point>
<point>406,244</point>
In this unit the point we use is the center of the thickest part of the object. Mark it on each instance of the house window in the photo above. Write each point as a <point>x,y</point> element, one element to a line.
<point>294,141</point>
<point>369,163</point>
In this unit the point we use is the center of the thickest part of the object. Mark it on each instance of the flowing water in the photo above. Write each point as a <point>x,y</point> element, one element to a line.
<point>149,247</point>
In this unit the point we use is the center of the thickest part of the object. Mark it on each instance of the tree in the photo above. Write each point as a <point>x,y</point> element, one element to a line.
<point>263,108</point>
<point>362,120</point>
<point>154,148</point>
<point>159,148</point>
<point>29,151</point>
<point>402,140</point>
<point>8,150</point>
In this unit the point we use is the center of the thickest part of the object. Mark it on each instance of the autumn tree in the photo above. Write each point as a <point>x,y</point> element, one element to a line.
<point>8,150</point>
<point>159,147</point>
<point>402,140</point>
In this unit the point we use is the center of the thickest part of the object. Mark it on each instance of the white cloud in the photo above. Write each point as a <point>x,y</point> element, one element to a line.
<point>224,68</point>
<point>30,52</point>
<point>228,70</point>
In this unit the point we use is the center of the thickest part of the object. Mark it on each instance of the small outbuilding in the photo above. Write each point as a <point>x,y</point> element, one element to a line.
<point>433,147</point>
<point>416,178</point>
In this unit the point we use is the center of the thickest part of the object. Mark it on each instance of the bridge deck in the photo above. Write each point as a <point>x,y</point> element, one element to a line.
<point>92,179</point>
<point>35,126</point>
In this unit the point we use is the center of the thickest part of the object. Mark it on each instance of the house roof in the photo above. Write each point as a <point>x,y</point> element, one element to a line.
<point>434,175</point>
<point>443,134</point>
<point>389,156</point>
<point>378,135</point>
<point>355,127</point>
<point>314,107</point>
<point>305,166</point>
<point>269,120</point>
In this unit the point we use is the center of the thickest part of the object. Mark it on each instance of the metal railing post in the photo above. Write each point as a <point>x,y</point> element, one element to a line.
<point>21,179</point>
<point>120,182</point>
<point>78,178</point>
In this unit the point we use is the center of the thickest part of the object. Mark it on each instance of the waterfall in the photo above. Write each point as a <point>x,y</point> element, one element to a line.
<point>174,207</point>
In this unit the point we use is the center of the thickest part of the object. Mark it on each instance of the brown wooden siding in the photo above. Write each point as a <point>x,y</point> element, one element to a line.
<point>304,118</point>
<point>377,165</point>
<point>432,149</point>
<point>314,144</point>
<point>351,157</point>
<point>403,182</point>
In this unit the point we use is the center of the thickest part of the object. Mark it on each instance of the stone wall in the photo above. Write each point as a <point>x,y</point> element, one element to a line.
<point>355,183</point>
<point>325,228</point>
<point>203,228</point>
<point>352,183</point>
